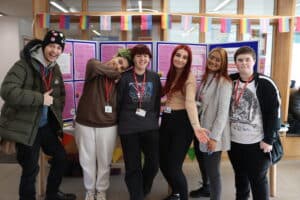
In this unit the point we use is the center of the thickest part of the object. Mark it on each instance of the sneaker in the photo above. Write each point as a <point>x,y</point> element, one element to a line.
<point>101,196</point>
<point>201,192</point>
<point>89,195</point>
<point>61,196</point>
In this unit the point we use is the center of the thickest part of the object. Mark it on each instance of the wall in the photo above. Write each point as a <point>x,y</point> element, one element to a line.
<point>10,45</point>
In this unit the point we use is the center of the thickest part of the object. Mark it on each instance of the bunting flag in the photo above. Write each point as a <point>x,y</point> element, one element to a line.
<point>283,24</point>
<point>84,22</point>
<point>245,26</point>
<point>105,23</point>
<point>166,21</point>
<point>205,24</point>
<point>44,20</point>
<point>146,22</point>
<point>126,22</point>
<point>297,24</point>
<point>64,21</point>
<point>264,24</point>
<point>186,22</point>
<point>225,25</point>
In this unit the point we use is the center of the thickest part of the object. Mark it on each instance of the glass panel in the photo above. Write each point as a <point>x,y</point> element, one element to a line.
<point>144,5</point>
<point>65,5</point>
<point>73,33</point>
<point>99,35</point>
<point>191,6</point>
<point>265,47</point>
<point>259,7</point>
<point>296,48</point>
<point>177,34</point>
<point>104,5</point>
<point>149,35</point>
<point>295,60</point>
<point>298,8</point>
<point>221,6</point>
<point>215,35</point>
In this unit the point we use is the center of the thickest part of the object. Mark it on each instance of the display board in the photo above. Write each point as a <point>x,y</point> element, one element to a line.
<point>164,52</point>
<point>77,53</point>
<point>107,50</point>
<point>231,47</point>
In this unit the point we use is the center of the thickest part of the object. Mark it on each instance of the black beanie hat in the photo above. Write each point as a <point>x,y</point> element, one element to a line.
<point>54,36</point>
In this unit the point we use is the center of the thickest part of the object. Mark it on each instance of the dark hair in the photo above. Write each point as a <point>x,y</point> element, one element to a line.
<point>223,71</point>
<point>172,72</point>
<point>140,49</point>
<point>245,50</point>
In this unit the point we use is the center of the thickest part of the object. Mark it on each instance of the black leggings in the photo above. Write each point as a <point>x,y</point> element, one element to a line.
<point>176,135</point>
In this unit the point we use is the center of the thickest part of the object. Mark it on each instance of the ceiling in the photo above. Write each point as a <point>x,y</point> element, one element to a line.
<point>24,8</point>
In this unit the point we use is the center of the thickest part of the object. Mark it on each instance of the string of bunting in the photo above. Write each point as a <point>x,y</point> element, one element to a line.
<point>166,22</point>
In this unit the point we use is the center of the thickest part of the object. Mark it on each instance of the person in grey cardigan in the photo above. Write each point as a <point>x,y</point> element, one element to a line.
<point>213,102</point>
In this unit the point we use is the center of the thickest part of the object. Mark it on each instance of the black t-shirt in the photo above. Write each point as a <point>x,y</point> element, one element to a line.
<point>128,102</point>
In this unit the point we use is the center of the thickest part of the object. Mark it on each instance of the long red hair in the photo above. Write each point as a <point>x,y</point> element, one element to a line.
<point>223,71</point>
<point>172,72</point>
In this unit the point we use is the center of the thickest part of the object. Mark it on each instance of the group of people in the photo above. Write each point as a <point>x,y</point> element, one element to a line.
<point>237,113</point>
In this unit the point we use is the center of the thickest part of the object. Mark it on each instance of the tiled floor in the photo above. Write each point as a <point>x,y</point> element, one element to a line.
<point>288,182</point>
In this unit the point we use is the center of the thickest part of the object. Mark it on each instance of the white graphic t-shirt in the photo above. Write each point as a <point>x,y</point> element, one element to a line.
<point>245,115</point>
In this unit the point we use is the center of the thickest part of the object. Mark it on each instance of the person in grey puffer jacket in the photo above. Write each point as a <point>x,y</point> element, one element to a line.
<point>34,97</point>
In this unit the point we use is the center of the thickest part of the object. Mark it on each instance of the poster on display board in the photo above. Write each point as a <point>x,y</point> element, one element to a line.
<point>78,88</point>
<point>231,47</point>
<point>65,62</point>
<point>83,51</point>
<point>69,109</point>
<point>164,52</point>
<point>107,50</point>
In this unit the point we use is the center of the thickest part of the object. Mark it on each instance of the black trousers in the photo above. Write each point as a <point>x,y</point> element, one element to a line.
<point>250,165</point>
<point>139,176</point>
<point>176,135</point>
<point>28,157</point>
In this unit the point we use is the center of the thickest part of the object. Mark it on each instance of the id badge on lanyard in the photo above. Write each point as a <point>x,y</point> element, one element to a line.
<point>140,92</point>
<point>167,109</point>
<point>108,89</point>
<point>140,112</point>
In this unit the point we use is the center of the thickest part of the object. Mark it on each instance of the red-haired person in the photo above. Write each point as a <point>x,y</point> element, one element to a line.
<point>139,93</point>
<point>180,121</point>
<point>214,96</point>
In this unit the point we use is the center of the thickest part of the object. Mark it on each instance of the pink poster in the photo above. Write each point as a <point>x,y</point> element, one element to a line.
<point>107,51</point>
<point>78,91</point>
<point>164,53</point>
<point>82,53</point>
<point>67,71</point>
<point>130,45</point>
<point>69,109</point>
